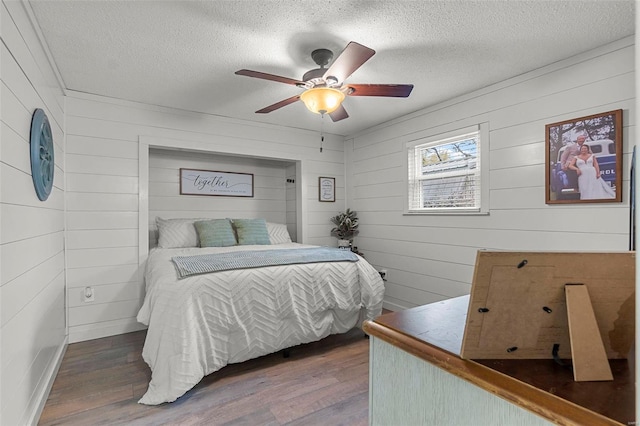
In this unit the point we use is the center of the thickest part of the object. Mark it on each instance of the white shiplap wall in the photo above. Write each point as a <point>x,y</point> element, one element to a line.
<point>32,279</point>
<point>430,258</point>
<point>102,234</point>
<point>292,219</point>
<point>104,196</point>
<point>269,199</point>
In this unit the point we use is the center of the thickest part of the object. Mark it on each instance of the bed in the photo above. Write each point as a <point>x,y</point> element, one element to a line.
<point>199,321</point>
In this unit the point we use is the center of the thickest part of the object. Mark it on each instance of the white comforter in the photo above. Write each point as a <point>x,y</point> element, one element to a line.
<point>199,324</point>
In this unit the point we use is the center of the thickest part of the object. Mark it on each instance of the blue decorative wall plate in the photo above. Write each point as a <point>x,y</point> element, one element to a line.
<point>42,161</point>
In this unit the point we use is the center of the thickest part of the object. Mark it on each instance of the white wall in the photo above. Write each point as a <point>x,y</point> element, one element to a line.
<point>431,258</point>
<point>269,199</point>
<point>104,196</point>
<point>32,279</point>
<point>291,200</point>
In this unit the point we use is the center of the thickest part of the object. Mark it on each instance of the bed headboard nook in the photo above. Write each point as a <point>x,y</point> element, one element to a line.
<point>231,186</point>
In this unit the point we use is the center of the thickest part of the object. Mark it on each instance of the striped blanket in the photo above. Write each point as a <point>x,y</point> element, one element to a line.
<point>203,264</point>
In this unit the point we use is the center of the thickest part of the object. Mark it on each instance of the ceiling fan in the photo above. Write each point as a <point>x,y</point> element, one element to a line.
<point>325,88</point>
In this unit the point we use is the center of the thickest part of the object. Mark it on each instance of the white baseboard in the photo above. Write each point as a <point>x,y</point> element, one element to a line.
<point>393,306</point>
<point>42,393</point>
<point>98,331</point>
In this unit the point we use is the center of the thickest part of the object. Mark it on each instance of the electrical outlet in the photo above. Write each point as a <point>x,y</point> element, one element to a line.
<point>383,274</point>
<point>88,295</point>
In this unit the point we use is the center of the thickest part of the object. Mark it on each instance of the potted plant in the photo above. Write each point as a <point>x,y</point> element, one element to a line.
<point>346,227</point>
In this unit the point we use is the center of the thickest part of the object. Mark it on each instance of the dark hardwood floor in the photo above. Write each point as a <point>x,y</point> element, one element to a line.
<point>321,383</point>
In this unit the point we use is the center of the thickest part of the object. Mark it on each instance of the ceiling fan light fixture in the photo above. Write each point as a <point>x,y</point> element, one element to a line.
<point>324,90</point>
<point>322,100</point>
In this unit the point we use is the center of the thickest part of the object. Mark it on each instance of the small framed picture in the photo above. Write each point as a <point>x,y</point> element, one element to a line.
<point>584,159</point>
<point>327,189</point>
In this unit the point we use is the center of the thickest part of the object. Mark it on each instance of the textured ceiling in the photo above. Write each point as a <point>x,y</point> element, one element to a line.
<point>183,54</point>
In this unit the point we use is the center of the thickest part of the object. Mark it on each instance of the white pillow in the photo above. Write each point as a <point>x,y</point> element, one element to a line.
<point>176,233</point>
<point>278,233</point>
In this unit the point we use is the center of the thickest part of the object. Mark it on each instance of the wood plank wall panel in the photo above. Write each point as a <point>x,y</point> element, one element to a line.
<point>32,261</point>
<point>420,393</point>
<point>291,197</point>
<point>103,193</point>
<point>431,258</point>
<point>102,236</point>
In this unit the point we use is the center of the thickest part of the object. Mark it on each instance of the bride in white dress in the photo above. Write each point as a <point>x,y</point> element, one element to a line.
<point>590,184</point>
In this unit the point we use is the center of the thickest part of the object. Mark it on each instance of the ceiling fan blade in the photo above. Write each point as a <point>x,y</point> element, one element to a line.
<point>390,90</point>
<point>351,58</point>
<point>278,105</point>
<point>272,77</point>
<point>339,114</point>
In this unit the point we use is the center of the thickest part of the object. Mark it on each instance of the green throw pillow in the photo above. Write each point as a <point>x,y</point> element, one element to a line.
<point>215,233</point>
<point>252,231</point>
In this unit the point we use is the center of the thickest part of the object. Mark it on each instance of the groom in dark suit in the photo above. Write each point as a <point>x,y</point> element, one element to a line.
<point>570,152</point>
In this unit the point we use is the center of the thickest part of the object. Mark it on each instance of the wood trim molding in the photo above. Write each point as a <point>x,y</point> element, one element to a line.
<point>544,404</point>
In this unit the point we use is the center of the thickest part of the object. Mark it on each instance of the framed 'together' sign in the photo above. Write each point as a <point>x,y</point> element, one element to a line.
<point>209,182</point>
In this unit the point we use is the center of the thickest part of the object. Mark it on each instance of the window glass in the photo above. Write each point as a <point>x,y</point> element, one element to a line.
<point>445,174</point>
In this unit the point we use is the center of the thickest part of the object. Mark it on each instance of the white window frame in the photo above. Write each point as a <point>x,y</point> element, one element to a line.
<point>482,130</point>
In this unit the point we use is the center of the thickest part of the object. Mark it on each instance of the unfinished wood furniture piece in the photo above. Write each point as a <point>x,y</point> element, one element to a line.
<point>588,355</point>
<point>416,376</point>
<point>420,370</point>
<point>538,305</point>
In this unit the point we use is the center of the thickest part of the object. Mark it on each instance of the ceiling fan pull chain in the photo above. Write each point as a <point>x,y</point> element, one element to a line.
<point>321,130</point>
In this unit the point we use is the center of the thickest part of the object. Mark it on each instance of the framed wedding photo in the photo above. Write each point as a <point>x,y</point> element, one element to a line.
<point>327,189</point>
<point>583,159</point>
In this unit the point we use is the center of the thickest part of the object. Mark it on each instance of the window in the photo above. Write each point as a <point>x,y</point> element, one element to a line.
<point>445,173</point>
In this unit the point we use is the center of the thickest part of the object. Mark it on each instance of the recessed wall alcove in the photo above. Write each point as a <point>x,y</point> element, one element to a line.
<point>278,188</point>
